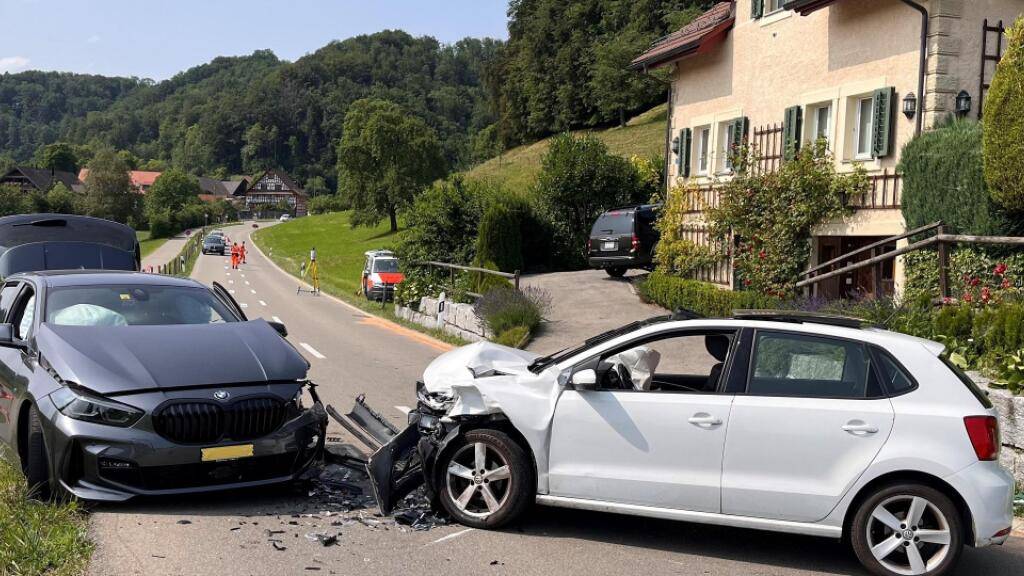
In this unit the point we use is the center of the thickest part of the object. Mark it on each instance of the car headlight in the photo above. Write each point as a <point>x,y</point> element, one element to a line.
<point>434,400</point>
<point>297,401</point>
<point>80,406</point>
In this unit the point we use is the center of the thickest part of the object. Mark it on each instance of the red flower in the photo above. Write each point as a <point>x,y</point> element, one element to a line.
<point>747,282</point>
<point>762,254</point>
<point>1000,269</point>
<point>975,281</point>
<point>986,294</point>
<point>947,300</point>
<point>968,297</point>
<point>1005,284</point>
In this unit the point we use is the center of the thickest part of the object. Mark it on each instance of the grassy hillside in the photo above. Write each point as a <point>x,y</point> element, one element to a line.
<point>517,169</point>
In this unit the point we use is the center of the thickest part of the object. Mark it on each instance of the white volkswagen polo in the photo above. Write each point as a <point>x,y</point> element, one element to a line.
<point>778,421</point>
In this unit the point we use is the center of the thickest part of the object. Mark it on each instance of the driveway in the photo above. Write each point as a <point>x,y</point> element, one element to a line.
<point>585,303</point>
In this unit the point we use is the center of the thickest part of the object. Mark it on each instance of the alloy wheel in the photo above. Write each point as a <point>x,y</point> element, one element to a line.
<point>908,535</point>
<point>479,480</point>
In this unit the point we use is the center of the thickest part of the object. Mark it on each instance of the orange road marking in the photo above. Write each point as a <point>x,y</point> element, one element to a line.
<point>390,326</point>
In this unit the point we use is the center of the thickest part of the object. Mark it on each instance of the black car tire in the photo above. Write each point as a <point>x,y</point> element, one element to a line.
<point>616,272</point>
<point>860,527</point>
<point>517,492</point>
<point>35,464</point>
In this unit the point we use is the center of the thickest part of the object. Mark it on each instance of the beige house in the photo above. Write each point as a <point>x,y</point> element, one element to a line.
<point>864,74</point>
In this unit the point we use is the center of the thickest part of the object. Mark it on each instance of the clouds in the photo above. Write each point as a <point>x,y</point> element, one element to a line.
<point>13,63</point>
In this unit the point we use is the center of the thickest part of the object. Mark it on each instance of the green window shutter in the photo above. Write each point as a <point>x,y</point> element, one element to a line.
<point>881,137</point>
<point>677,148</point>
<point>792,127</point>
<point>739,133</point>
<point>756,9</point>
<point>686,144</point>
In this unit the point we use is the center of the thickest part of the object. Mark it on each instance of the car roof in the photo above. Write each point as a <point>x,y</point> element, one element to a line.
<point>64,278</point>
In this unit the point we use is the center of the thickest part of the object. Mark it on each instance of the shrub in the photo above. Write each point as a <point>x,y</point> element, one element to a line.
<point>1004,125</point>
<point>499,240</point>
<point>443,221</point>
<point>705,299</point>
<point>943,179</point>
<point>674,252</point>
<point>579,180</point>
<point>327,203</point>
<point>773,214</point>
<point>513,336</point>
<point>420,281</point>
<point>503,309</point>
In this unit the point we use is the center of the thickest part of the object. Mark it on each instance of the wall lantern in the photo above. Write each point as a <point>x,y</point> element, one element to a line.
<point>963,103</point>
<point>910,105</point>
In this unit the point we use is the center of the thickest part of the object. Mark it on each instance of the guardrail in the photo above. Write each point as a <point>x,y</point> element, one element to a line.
<point>181,265</point>
<point>453,268</point>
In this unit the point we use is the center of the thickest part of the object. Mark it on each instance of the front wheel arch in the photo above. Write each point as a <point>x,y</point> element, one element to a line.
<point>494,422</point>
<point>910,476</point>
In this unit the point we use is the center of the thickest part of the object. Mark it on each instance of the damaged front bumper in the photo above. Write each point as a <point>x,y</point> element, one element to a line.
<point>404,460</point>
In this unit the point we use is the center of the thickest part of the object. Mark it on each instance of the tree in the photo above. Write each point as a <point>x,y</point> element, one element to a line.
<point>13,200</point>
<point>385,158</point>
<point>57,156</point>
<point>260,150</point>
<point>316,186</point>
<point>193,153</point>
<point>172,191</point>
<point>61,200</point>
<point>1004,125</point>
<point>579,180</point>
<point>108,189</point>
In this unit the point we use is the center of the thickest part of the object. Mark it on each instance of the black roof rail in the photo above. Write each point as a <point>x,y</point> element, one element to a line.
<point>686,314</point>
<point>800,317</point>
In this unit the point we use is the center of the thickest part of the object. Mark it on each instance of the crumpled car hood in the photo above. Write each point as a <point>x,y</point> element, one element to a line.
<point>123,359</point>
<point>481,360</point>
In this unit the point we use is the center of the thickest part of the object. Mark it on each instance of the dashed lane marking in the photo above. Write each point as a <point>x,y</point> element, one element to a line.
<point>403,409</point>
<point>262,303</point>
<point>244,305</point>
<point>246,282</point>
<point>276,319</point>
<point>251,290</point>
<point>450,537</point>
<point>312,351</point>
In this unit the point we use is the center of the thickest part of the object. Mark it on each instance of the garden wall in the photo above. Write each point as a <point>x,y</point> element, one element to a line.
<point>1011,426</point>
<point>452,317</point>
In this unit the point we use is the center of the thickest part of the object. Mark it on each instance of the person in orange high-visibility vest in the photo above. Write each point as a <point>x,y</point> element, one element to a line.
<point>234,256</point>
<point>241,252</point>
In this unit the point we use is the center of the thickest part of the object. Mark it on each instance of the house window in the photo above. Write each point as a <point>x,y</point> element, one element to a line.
<point>703,150</point>
<point>773,6</point>
<point>862,130</point>
<point>821,123</point>
<point>725,147</point>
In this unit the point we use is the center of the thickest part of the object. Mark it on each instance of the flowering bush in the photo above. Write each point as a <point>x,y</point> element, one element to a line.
<point>988,287</point>
<point>507,309</point>
<point>675,253</point>
<point>773,214</point>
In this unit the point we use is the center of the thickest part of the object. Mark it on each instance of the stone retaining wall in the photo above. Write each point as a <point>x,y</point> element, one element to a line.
<point>454,318</point>
<point>1011,426</point>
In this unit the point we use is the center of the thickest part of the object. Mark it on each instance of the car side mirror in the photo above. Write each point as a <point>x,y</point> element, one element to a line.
<point>7,338</point>
<point>279,328</point>
<point>584,380</point>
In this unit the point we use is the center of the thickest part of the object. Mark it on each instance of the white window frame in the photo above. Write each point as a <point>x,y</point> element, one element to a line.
<point>702,151</point>
<point>724,136</point>
<point>816,131</point>
<point>773,6</point>
<point>858,116</point>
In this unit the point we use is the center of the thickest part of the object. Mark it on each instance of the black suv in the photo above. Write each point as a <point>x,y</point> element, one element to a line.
<point>623,239</point>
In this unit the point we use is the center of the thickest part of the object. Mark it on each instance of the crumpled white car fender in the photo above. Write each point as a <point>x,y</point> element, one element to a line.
<point>486,378</point>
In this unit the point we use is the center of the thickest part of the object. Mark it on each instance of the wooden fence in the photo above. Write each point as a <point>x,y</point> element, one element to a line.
<point>181,265</point>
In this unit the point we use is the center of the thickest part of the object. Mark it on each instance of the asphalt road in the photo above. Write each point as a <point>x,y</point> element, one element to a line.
<point>265,531</point>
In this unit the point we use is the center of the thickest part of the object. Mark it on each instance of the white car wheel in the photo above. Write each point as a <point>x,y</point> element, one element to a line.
<point>478,480</point>
<point>486,479</point>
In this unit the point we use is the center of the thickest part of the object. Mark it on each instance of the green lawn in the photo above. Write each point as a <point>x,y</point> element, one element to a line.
<point>38,538</point>
<point>147,244</point>
<point>340,256</point>
<point>517,169</point>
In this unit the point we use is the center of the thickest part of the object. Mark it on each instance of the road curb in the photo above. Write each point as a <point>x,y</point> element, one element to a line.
<point>439,344</point>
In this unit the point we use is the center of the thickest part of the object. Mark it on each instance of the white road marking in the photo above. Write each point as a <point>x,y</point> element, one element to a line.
<point>246,282</point>
<point>262,303</point>
<point>450,537</point>
<point>244,305</point>
<point>253,291</point>
<point>403,409</point>
<point>226,269</point>
<point>312,350</point>
<point>232,291</point>
<point>242,275</point>
<point>276,319</point>
<point>229,273</point>
<point>231,281</point>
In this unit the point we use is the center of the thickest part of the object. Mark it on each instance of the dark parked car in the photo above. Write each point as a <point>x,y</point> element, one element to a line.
<point>213,245</point>
<point>624,239</point>
<point>65,242</point>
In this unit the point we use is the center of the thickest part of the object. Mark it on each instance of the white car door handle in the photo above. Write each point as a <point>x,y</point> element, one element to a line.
<point>859,428</point>
<point>705,420</point>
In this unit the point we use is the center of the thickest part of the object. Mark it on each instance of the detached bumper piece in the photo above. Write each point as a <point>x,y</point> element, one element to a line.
<point>395,468</point>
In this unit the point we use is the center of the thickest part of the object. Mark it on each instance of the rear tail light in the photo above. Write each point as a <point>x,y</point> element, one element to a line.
<point>984,434</point>
<point>636,244</point>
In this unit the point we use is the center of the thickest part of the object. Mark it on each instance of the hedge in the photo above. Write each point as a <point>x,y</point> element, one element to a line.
<point>1004,124</point>
<point>672,292</point>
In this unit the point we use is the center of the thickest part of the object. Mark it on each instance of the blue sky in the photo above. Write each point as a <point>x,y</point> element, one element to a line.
<point>158,38</point>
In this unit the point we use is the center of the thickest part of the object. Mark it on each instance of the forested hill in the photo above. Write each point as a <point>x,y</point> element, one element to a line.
<point>240,113</point>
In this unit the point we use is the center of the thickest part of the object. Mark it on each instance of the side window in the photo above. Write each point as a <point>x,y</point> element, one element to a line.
<point>7,296</point>
<point>24,315</point>
<point>810,366</point>
<point>895,378</point>
<point>681,362</point>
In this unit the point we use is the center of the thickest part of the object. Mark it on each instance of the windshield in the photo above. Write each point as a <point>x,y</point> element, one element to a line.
<point>214,240</point>
<point>134,306</point>
<point>543,362</point>
<point>385,265</point>
<point>614,222</point>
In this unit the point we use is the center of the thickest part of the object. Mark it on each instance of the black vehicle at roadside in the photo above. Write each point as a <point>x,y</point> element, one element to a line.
<point>623,239</point>
<point>213,245</point>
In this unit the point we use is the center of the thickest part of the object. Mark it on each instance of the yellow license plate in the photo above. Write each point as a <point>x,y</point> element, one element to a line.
<point>227,453</point>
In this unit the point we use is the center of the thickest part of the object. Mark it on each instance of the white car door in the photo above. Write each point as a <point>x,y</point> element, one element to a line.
<point>655,441</point>
<point>812,419</point>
